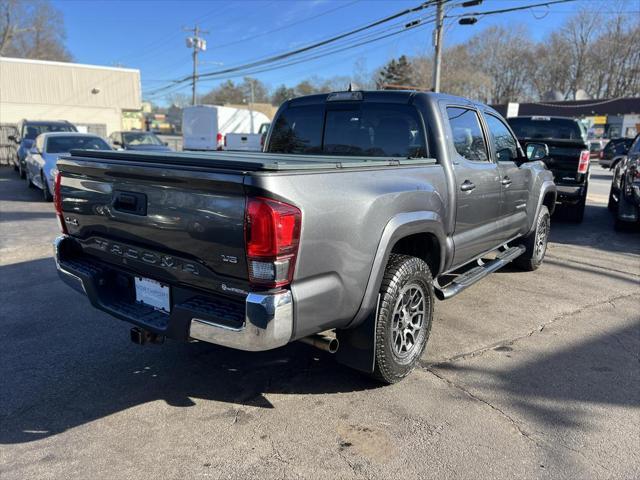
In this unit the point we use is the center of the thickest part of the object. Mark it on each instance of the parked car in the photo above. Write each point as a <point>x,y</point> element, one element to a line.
<point>205,127</point>
<point>40,164</point>
<point>624,196</point>
<point>28,130</point>
<point>568,158</point>
<point>364,208</point>
<point>142,141</point>
<point>596,146</point>
<point>613,152</point>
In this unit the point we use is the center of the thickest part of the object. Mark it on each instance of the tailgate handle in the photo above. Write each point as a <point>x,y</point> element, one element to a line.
<point>130,202</point>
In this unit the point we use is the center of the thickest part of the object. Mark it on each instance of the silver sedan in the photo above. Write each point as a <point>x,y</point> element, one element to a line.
<point>42,157</point>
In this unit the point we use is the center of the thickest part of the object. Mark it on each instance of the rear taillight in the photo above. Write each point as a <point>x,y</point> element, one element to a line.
<point>57,201</point>
<point>272,235</point>
<point>601,154</point>
<point>583,166</point>
<point>220,141</point>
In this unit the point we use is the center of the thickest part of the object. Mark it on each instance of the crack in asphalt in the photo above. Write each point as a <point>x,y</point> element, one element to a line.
<point>538,329</point>
<point>511,420</point>
<point>429,367</point>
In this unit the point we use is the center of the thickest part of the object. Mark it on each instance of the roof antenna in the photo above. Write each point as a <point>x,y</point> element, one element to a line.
<point>352,87</point>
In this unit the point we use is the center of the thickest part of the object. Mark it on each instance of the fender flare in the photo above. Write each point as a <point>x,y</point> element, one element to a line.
<point>547,186</point>
<point>400,226</point>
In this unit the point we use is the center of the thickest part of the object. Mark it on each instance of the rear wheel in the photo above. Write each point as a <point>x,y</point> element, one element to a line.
<point>21,172</point>
<point>404,317</point>
<point>535,243</point>
<point>611,205</point>
<point>30,183</point>
<point>46,193</point>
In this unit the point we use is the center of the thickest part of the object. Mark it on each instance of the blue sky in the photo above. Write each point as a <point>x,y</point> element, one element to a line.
<point>148,35</point>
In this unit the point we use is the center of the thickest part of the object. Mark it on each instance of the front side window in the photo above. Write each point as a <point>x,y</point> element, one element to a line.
<point>66,144</point>
<point>467,134</point>
<point>504,145</point>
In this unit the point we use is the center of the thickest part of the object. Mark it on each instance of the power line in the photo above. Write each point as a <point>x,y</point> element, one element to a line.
<point>285,55</point>
<point>285,27</point>
<point>512,9</point>
<point>421,23</point>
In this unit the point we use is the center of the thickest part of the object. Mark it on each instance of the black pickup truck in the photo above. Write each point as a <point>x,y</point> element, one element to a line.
<point>364,208</point>
<point>568,157</point>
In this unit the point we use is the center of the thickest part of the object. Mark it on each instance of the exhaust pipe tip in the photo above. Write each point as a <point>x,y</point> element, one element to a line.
<point>327,344</point>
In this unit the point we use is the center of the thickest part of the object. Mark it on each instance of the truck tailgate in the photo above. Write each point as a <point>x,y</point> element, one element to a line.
<point>179,225</point>
<point>563,159</point>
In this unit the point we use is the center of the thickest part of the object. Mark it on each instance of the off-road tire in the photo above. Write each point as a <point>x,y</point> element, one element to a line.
<point>535,243</point>
<point>404,277</point>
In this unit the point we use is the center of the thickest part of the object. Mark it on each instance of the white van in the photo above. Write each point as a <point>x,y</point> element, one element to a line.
<point>204,126</point>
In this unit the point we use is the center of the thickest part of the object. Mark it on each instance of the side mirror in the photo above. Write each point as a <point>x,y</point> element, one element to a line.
<point>536,151</point>
<point>13,138</point>
<point>117,143</point>
<point>166,144</point>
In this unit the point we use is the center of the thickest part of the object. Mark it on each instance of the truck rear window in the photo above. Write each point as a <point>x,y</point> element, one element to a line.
<point>546,127</point>
<point>364,129</point>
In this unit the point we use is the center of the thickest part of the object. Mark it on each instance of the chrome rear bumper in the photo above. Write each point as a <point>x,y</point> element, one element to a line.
<point>268,318</point>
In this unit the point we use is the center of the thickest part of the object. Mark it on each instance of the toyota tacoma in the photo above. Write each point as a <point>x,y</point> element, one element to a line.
<point>363,209</point>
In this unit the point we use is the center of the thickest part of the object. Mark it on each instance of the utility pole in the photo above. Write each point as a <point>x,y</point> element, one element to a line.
<point>251,104</point>
<point>437,37</point>
<point>198,44</point>
<point>437,41</point>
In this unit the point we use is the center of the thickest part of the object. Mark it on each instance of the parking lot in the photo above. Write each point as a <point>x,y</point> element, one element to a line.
<point>526,375</point>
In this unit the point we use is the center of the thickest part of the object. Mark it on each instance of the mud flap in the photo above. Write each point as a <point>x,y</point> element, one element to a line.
<point>358,345</point>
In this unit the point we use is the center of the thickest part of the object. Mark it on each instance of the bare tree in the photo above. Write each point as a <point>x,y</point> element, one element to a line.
<point>32,29</point>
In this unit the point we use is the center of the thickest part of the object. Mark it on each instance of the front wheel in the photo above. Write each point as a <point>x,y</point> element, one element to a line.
<point>404,317</point>
<point>535,243</point>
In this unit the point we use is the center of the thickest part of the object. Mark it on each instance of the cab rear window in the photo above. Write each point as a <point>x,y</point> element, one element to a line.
<point>362,129</point>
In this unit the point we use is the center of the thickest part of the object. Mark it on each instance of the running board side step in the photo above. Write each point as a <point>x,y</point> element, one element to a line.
<point>478,273</point>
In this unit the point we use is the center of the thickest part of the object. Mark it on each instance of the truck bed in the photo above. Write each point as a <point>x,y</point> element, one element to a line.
<point>246,161</point>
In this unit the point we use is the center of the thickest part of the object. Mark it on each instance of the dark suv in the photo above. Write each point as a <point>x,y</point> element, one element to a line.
<point>28,130</point>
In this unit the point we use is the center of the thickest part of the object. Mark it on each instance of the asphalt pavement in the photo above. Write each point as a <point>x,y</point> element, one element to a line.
<point>526,375</point>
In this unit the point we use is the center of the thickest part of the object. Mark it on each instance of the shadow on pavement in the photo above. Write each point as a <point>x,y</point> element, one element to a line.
<point>65,364</point>
<point>25,216</point>
<point>595,231</point>
<point>556,389</point>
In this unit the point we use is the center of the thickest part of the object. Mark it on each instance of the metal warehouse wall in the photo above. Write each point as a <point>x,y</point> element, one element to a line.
<point>82,94</point>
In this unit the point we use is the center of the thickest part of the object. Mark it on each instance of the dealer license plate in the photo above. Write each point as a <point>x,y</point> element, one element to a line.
<point>152,293</point>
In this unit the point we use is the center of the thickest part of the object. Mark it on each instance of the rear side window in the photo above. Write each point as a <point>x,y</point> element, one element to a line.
<point>467,134</point>
<point>298,130</point>
<point>504,145</point>
<point>546,127</point>
<point>363,129</point>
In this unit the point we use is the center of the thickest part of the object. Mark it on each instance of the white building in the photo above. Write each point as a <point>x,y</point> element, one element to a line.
<point>94,98</point>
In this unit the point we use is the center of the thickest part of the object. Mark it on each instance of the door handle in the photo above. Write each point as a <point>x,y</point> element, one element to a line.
<point>506,181</point>
<point>467,186</point>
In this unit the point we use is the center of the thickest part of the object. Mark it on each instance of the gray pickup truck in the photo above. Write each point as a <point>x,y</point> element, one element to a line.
<point>363,209</point>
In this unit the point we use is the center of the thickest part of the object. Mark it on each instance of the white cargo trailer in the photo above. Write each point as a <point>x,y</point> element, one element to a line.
<point>204,126</point>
